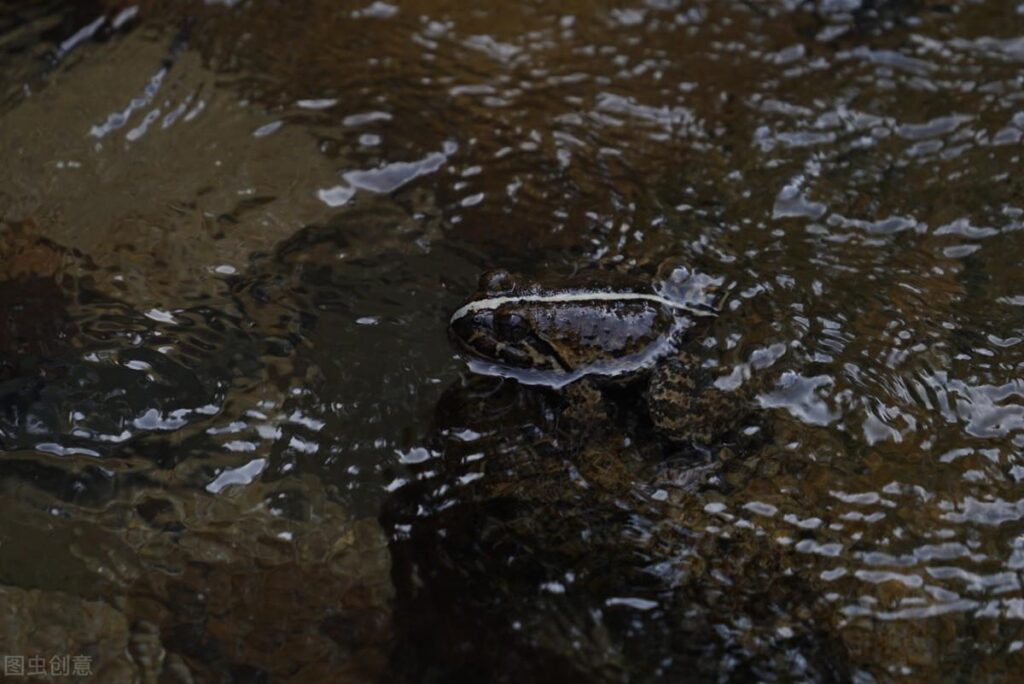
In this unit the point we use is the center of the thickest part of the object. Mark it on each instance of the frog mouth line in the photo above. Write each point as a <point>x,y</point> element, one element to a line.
<point>494,356</point>
<point>556,378</point>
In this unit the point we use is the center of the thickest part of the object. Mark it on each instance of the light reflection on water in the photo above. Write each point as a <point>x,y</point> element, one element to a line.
<point>231,241</point>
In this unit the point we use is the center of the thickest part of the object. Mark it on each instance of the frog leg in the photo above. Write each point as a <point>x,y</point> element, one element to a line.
<point>685,405</point>
<point>584,403</point>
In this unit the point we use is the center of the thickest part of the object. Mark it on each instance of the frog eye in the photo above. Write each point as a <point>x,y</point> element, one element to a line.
<point>497,282</point>
<point>510,327</point>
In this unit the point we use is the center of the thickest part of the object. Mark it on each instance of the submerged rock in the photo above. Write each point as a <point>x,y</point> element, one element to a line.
<point>567,545</point>
<point>202,587</point>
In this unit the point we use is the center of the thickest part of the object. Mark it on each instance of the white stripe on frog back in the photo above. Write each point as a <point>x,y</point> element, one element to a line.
<point>580,296</point>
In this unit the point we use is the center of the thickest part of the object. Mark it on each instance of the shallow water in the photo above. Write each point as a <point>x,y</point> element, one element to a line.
<point>237,445</point>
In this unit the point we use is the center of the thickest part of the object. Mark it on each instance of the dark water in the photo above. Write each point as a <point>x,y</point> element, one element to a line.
<point>236,445</point>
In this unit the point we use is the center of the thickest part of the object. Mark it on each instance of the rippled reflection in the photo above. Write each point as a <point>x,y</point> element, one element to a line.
<point>231,234</point>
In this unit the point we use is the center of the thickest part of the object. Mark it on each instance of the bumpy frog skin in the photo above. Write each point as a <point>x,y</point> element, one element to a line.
<point>555,335</point>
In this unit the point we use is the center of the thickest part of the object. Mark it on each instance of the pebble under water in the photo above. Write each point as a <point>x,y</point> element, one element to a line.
<point>237,445</point>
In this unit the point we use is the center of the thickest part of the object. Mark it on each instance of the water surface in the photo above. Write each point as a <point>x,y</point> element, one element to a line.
<point>236,444</point>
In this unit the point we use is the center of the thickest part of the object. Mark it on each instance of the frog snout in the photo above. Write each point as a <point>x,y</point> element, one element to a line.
<point>462,330</point>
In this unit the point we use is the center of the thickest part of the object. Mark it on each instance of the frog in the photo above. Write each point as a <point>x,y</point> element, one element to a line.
<point>581,335</point>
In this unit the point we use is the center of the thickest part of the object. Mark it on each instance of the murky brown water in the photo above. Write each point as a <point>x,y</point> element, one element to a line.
<point>236,445</point>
